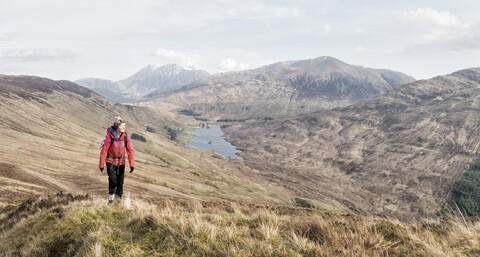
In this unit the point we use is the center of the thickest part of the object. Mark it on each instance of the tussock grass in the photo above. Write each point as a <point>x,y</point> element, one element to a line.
<point>65,225</point>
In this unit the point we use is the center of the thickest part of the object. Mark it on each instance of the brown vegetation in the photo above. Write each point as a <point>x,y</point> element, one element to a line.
<point>396,155</point>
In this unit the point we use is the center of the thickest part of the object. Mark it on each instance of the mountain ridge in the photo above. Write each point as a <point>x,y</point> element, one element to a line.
<point>281,89</point>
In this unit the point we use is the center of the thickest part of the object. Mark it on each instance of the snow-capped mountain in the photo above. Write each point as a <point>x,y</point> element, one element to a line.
<point>145,81</point>
<point>155,77</point>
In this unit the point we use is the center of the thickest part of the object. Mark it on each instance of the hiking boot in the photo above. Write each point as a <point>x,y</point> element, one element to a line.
<point>111,198</point>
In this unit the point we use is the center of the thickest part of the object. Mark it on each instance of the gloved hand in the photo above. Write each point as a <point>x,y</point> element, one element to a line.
<point>101,169</point>
<point>131,169</point>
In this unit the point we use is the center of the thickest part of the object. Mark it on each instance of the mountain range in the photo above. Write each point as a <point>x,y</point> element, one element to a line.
<point>149,79</point>
<point>279,90</point>
<point>398,154</point>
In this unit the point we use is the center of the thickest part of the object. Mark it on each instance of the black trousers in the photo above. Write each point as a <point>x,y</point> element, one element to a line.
<point>115,182</point>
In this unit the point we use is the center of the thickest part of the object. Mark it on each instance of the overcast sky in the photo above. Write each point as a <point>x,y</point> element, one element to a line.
<point>113,39</point>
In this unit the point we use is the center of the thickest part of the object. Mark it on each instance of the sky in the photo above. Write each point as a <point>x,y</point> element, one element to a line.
<point>113,39</point>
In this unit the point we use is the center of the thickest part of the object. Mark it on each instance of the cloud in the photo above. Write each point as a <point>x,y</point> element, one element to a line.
<point>216,12</point>
<point>326,28</point>
<point>440,30</point>
<point>229,64</point>
<point>431,19</point>
<point>34,55</point>
<point>318,31</point>
<point>3,37</point>
<point>360,49</point>
<point>170,54</point>
<point>177,56</point>
<point>263,10</point>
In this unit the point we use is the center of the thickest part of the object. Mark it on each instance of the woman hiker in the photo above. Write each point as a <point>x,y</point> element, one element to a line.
<point>113,153</point>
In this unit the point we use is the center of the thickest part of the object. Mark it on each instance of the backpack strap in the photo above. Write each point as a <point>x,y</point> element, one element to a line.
<point>125,139</point>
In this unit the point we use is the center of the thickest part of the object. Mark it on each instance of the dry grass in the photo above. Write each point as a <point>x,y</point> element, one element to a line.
<point>86,226</point>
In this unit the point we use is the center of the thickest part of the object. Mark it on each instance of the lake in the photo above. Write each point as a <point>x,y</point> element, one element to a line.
<point>210,139</point>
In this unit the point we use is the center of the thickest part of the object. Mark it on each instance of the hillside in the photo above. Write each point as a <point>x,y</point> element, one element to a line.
<point>66,225</point>
<point>51,133</point>
<point>395,155</point>
<point>280,89</point>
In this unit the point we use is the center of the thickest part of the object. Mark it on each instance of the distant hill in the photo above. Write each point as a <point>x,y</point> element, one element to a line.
<point>112,90</point>
<point>396,155</point>
<point>144,82</point>
<point>282,89</point>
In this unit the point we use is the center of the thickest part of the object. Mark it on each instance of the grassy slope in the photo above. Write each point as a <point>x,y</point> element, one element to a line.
<point>66,225</point>
<point>51,139</point>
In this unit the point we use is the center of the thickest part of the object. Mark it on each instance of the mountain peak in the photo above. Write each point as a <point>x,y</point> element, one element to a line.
<point>167,70</point>
<point>154,77</point>
<point>170,67</point>
<point>150,78</point>
<point>324,58</point>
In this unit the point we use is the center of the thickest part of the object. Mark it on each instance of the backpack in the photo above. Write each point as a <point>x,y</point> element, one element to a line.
<point>112,139</point>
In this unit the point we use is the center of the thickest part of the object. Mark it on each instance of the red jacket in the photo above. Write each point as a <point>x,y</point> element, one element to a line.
<point>114,151</point>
